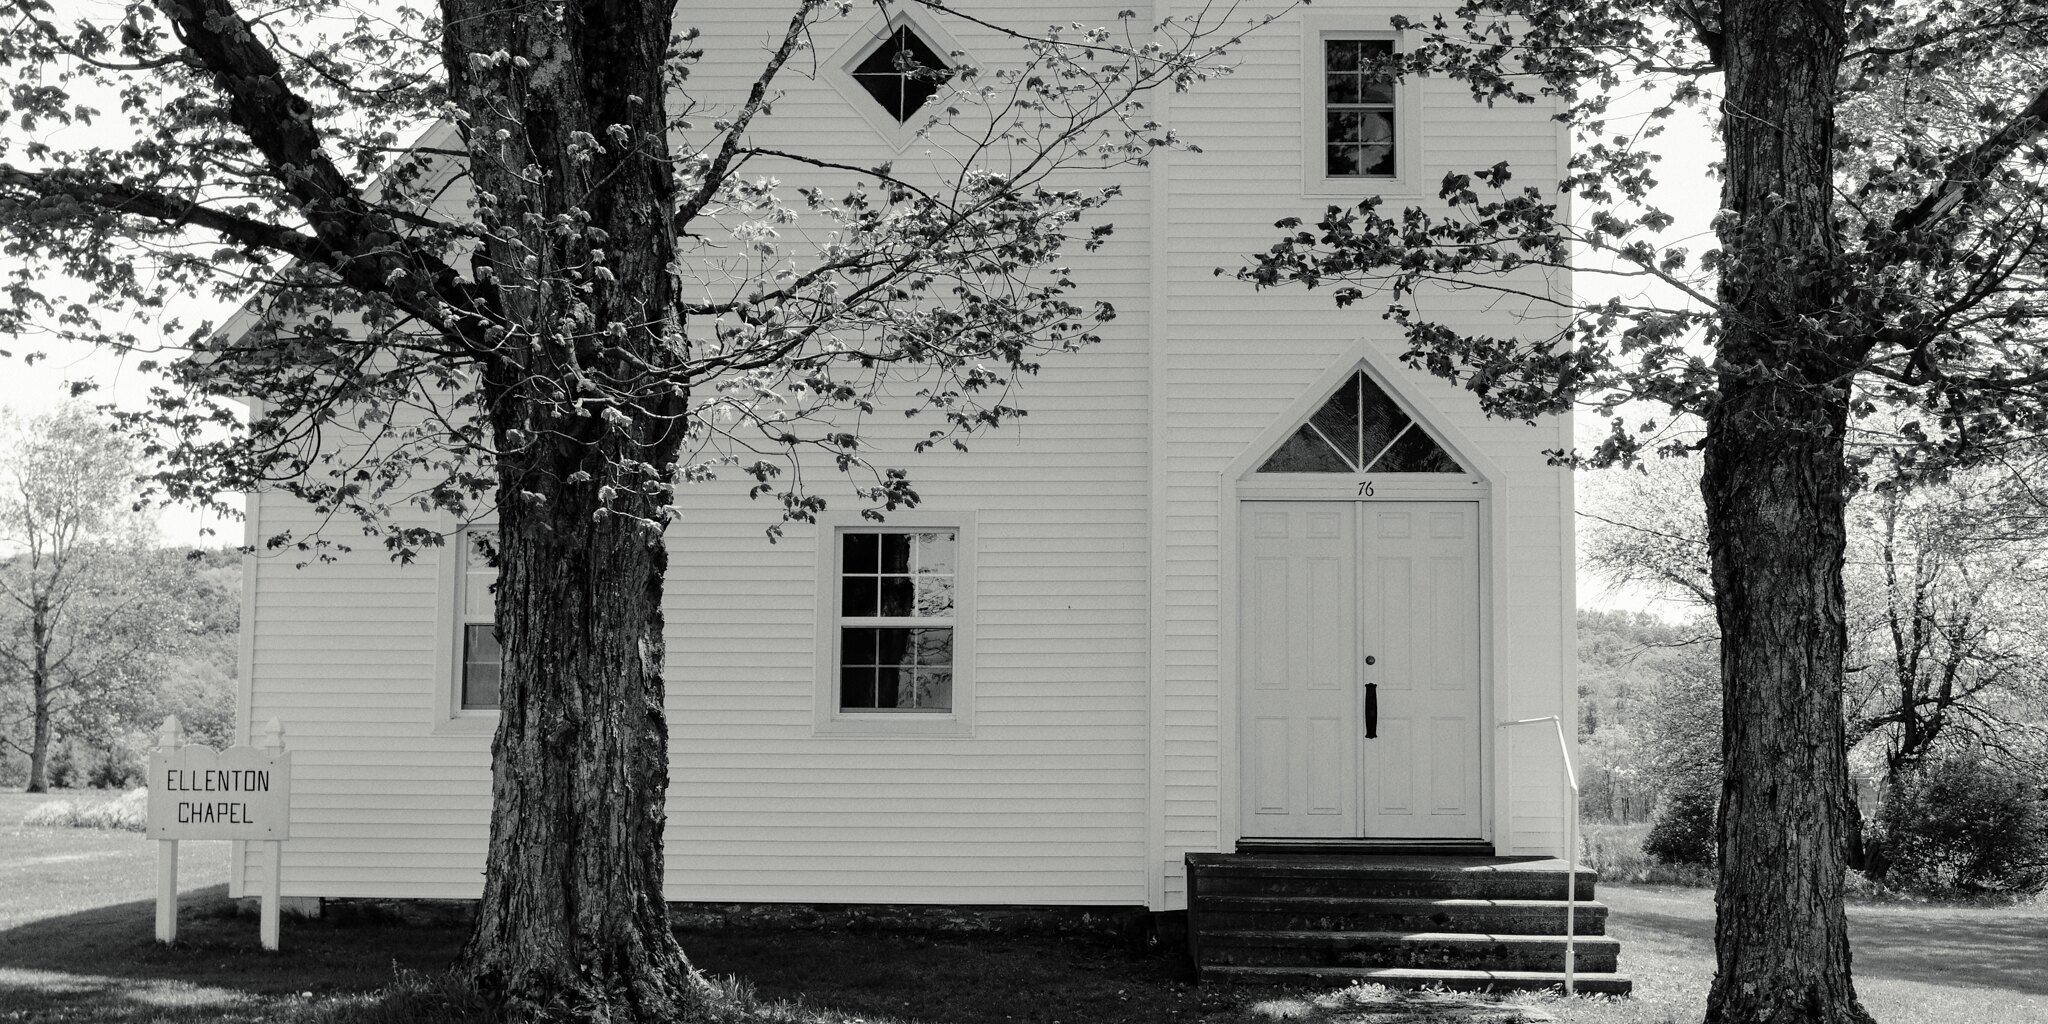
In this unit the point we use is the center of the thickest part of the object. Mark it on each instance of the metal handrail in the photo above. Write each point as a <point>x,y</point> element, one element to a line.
<point>1571,845</point>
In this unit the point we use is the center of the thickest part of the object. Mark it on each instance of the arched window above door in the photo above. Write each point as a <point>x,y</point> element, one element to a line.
<point>1360,430</point>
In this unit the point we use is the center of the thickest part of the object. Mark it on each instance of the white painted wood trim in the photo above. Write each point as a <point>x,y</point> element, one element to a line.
<point>837,71</point>
<point>1157,861</point>
<point>1388,372</point>
<point>828,720</point>
<point>1495,557</point>
<point>450,717</point>
<point>1409,159</point>
<point>439,135</point>
<point>245,652</point>
<point>1488,486</point>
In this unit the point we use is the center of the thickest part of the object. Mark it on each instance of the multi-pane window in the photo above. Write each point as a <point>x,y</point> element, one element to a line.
<point>481,668</point>
<point>902,72</point>
<point>1358,109</point>
<point>896,601</point>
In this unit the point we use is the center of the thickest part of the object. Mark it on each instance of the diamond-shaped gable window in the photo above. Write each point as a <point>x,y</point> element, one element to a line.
<point>902,72</point>
<point>1360,430</point>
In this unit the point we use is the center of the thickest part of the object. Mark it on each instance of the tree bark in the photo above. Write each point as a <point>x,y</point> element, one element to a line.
<point>40,696</point>
<point>1776,488</point>
<point>569,151</point>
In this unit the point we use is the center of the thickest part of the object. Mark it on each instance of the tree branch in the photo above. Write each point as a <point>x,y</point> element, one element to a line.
<point>1962,183</point>
<point>171,211</point>
<point>279,122</point>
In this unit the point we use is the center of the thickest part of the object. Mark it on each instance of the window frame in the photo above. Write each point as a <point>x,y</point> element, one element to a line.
<point>452,620</point>
<point>838,71</point>
<point>830,718</point>
<point>1325,27</point>
<point>911,36</point>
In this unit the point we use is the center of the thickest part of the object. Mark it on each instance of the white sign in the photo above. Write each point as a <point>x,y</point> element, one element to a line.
<point>237,793</point>
<point>200,793</point>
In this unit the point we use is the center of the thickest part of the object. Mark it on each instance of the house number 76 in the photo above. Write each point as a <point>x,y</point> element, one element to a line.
<point>1365,489</point>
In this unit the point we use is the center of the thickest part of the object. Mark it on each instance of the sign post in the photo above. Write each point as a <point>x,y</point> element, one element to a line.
<point>237,793</point>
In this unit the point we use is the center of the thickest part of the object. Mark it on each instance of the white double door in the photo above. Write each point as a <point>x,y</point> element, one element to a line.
<point>1359,672</point>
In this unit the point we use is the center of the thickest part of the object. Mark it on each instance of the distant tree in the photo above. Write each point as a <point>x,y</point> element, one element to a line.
<point>1646,527</point>
<point>1945,591</point>
<point>1655,683</point>
<point>197,682</point>
<point>1963,823</point>
<point>1949,627</point>
<point>188,670</point>
<point>83,596</point>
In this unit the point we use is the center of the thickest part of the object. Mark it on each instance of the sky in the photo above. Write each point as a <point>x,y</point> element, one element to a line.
<point>32,389</point>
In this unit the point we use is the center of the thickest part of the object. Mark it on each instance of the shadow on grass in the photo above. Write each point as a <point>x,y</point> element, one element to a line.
<point>104,964</point>
<point>1991,948</point>
<point>980,979</point>
<point>1981,947</point>
<point>359,966</point>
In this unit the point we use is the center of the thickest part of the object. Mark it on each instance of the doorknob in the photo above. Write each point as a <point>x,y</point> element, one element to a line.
<point>1372,711</point>
<point>1370,660</point>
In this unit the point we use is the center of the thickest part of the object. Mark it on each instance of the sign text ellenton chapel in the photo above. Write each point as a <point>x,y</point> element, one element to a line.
<point>237,793</point>
<point>199,794</point>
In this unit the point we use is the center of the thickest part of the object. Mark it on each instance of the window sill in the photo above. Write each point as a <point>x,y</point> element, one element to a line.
<point>953,725</point>
<point>1358,188</point>
<point>467,723</point>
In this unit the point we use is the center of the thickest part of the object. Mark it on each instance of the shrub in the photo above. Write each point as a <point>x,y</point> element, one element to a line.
<point>1964,825</point>
<point>128,812</point>
<point>1616,851</point>
<point>1683,832</point>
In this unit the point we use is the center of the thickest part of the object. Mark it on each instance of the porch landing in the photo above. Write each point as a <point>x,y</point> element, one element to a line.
<point>1399,919</point>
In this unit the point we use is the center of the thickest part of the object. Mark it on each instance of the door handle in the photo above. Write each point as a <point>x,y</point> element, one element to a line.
<point>1372,711</point>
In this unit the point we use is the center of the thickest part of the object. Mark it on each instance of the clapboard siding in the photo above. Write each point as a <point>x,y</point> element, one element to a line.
<point>1236,360</point>
<point>1101,707</point>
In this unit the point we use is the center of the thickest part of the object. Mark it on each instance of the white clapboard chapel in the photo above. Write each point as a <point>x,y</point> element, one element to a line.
<point>1240,579</point>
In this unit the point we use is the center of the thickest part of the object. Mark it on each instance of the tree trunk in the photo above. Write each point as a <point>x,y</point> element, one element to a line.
<point>40,696</point>
<point>39,742</point>
<point>573,916</point>
<point>569,151</point>
<point>1776,490</point>
<point>1776,497</point>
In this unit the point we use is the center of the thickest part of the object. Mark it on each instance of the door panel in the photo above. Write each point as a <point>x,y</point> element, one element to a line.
<point>1421,775</point>
<point>1298,650</point>
<point>1324,584</point>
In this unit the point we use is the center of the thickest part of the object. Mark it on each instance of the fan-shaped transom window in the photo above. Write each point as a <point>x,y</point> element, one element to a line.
<point>902,72</point>
<point>1360,430</point>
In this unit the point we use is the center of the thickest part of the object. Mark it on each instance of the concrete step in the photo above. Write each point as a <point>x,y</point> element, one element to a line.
<point>1392,914</point>
<point>1438,950</point>
<point>1370,847</point>
<point>1410,977</point>
<point>1415,877</point>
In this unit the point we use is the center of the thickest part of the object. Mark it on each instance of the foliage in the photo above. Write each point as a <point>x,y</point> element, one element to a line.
<point>1944,582</point>
<point>128,812</point>
<point>1948,627</point>
<point>1684,832</point>
<point>1966,825</point>
<point>101,632</point>
<point>1650,711</point>
<point>1616,851</point>
<point>84,598</point>
<point>795,310</point>
<point>603,271</point>
<point>1879,247</point>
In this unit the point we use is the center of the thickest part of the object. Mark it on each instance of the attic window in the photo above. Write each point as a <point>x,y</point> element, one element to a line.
<point>902,72</point>
<point>1360,430</point>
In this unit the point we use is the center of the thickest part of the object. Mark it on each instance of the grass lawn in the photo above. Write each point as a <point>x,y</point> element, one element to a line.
<point>1915,963</point>
<point>76,946</point>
